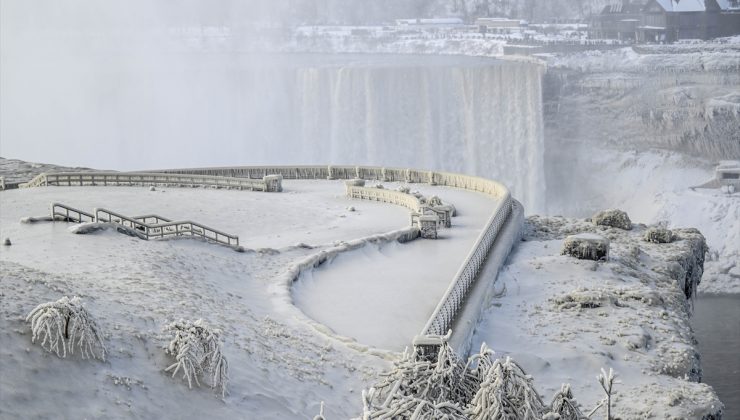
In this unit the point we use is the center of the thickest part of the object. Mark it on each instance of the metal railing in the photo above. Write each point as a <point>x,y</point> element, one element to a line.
<point>70,213</point>
<point>452,301</point>
<point>270,184</point>
<point>454,298</point>
<point>151,219</point>
<point>168,228</point>
<point>387,196</point>
<point>444,314</point>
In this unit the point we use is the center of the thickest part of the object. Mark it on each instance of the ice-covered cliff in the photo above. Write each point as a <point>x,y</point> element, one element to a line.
<point>679,99</point>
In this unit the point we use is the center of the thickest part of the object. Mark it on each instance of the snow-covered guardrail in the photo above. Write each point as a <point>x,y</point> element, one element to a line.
<point>70,213</point>
<point>448,310</point>
<point>444,314</point>
<point>266,183</point>
<point>162,230</point>
<point>387,196</point>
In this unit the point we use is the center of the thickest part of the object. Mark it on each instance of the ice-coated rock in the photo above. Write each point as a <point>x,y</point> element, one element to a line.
<point>613,218</point>
<point>659,235</point>
<point>586,246</point>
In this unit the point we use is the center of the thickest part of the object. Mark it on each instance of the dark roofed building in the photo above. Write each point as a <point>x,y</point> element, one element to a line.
<point>668,20</point>
<point>618,21</point>
<point>671,20</point>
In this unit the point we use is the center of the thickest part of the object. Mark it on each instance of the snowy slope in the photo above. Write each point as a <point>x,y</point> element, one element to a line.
<point>564,319</point>
<point>281,367</point>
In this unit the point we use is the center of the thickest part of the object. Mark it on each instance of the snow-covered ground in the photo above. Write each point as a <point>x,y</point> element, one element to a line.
<point>564,319</point>
<point>383,294</point>
<point>280,366</point>
<point>655,187</point>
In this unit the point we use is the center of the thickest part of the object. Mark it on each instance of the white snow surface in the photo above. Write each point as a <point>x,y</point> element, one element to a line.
<point>655,187</point>
<point>564,319</point>
<point>383,294</point>
<point>280,366</point>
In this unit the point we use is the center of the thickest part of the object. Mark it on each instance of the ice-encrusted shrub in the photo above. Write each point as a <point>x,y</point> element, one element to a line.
<point>62,325</point>
<point>564,406</point>
<point>197,350</point>
<point>586,246</point>
<point>404,189</point>
<point>612,218</point>
<point>506,392</point>
<point>659,235</point>
<point>482,388</point>
<point>434,201</point>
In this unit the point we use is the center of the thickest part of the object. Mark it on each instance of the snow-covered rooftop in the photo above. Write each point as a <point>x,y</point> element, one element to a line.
<point>682,5</point>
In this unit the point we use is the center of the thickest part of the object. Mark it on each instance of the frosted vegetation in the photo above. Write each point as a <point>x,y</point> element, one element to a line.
<point>65,325</point>
<point>197,349</point>
<point>485,387</point>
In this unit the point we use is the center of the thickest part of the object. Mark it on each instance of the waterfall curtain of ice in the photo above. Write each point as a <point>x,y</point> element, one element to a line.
<point>462,114</point>
<point>482,118</point>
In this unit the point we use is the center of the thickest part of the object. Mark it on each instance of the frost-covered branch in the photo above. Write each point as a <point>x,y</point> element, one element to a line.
<point>607,381</point>
<point>62,325</point>
<point>564,406</point>
<point>197,351</point>
<point>483,388</point>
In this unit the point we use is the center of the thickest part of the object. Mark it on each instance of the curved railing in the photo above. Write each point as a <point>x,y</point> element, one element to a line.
<point>268,178</point>
<point>267,183</point>
<point>387,196</point>
<point>444,314</point>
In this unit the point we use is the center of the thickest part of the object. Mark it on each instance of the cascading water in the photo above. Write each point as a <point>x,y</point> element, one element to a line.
<point>478,116</point>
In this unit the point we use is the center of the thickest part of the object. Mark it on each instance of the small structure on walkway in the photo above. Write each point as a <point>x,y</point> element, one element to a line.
<point>428,226</point>
<point>726,177</point>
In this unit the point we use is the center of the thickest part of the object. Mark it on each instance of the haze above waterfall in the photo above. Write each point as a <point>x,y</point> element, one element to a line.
<point>472,115</point>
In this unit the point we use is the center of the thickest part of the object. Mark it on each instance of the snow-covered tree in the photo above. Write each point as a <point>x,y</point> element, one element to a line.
<point>506,392</point>
<point>197,351</point>
<point>564,406</point>
<point>64,325</point>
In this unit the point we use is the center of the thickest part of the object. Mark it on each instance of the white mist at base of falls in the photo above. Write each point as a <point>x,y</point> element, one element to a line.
<point>477,116</point>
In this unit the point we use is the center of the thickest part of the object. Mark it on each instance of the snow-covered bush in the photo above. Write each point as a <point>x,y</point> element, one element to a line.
<point>482,388</point>
<point>659,235</point>
<point>434,201</point>
<point>586,246</point>
<point>62,325</point>
<point>564,406</point>
<point>506,392</point>
<point>197,350</point>
<point>613,218</point>
<point>404,189</point>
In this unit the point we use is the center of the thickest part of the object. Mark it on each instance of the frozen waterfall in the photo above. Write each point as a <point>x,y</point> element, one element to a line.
<point>473,115</point>
<point>476,116</point>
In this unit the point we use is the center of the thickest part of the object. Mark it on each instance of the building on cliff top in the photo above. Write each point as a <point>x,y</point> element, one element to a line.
<point>668,20</point>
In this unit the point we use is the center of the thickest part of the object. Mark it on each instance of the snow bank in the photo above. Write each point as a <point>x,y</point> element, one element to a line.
<point>563,319</point>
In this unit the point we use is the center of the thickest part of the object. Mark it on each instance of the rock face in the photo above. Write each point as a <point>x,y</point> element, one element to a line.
<point>613,218</point>
<point>688,263</point>
<point>586,246</point>
<point>634,309</point>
